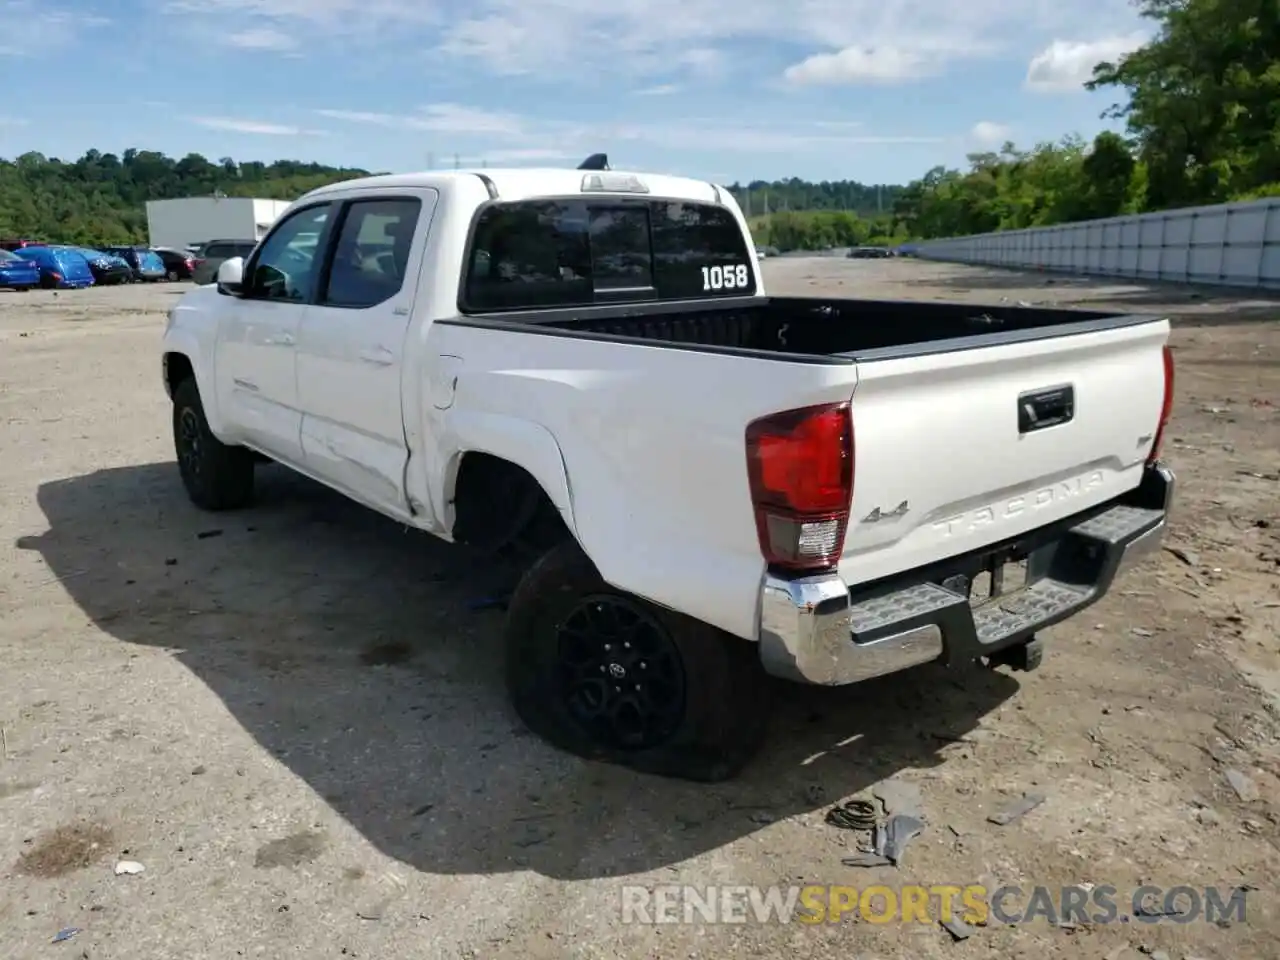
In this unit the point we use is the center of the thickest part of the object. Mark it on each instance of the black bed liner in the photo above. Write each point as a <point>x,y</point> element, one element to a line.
<point>809,329</point>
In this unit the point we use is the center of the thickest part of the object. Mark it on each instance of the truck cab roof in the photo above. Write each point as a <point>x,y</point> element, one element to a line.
<point>513,184</point>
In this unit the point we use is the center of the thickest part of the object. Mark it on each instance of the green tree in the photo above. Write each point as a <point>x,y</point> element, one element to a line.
<point>100,198</point>
<point>1203,99</point>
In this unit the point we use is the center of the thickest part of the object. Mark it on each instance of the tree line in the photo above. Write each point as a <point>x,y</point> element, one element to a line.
<point>1200,101</point>
<point>100,199</point>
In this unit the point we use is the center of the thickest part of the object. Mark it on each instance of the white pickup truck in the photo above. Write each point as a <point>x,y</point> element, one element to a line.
<point>720,485</point>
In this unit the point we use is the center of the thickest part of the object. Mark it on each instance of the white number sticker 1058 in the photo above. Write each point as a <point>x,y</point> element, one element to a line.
<point>726,278</point>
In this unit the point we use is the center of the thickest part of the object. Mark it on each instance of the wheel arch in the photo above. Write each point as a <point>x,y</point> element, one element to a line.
<point>503,472</point>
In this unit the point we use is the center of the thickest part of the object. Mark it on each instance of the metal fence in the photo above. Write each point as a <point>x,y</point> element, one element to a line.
<point>1233,244</point>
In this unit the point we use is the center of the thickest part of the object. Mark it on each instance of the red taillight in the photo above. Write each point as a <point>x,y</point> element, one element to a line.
<point>1166,407</point>
<point>800,467</point>
<point>55,274</point>
<point>191,264</point>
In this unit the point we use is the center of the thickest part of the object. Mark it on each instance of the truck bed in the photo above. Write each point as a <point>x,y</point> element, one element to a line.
<point>973,425</point>
<point>814,328</point>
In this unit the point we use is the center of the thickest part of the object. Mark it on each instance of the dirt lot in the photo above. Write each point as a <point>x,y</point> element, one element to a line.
<point>293,717</point>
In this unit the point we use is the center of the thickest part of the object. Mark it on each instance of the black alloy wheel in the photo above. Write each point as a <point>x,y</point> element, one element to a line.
<point>621,674</point>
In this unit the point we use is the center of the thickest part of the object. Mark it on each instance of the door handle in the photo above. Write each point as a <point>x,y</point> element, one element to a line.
<point>283,340</point>
<point>1039,409</point>
<point>380,356</point>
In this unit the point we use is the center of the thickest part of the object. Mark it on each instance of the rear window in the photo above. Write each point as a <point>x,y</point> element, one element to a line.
<point>540,254</point>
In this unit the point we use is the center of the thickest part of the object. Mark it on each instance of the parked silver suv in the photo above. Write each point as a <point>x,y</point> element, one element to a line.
<point>214,253</point>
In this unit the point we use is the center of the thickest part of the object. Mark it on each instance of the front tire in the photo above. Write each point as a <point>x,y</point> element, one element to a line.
<point>607,676</point>
<point>216,476</point>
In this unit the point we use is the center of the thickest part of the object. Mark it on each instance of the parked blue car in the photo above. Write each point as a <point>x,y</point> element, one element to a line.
<point>145,262</point>
<point>59,266</point>
<point>18,273</point>
<point>106,267</point>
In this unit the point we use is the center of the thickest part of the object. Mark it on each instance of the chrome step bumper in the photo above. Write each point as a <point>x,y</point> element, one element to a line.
<point>813,631</point>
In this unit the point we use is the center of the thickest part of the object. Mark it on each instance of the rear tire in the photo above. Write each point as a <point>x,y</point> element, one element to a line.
<point>171,276</point>
<point>216,476</point>
<point>607,676</point>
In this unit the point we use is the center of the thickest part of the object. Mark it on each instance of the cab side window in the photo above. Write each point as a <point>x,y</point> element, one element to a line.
<point>285,269</point>
<point>371,257</point>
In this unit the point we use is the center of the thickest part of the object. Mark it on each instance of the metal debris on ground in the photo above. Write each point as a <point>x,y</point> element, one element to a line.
<point>854,815</point>
<point>129,867</point>
<point>892,838</point>
<point>957,928</point>
<point>1018,810</point>
<point>1186,556</point>
<point>66,933</point>
<point>1242,785</point>
<point>889,842</point>
<point>867,859</point>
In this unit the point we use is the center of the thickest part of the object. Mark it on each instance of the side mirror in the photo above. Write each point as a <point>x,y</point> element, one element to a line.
<point>231,275</point>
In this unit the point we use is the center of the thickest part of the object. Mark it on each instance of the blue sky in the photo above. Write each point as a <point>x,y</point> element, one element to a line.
<point>869,90</point>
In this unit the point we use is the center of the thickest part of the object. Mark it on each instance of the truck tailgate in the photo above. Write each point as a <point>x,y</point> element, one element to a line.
<point>959,450</point>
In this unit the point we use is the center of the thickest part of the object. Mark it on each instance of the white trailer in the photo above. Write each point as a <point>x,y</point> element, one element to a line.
<point>190,220</point>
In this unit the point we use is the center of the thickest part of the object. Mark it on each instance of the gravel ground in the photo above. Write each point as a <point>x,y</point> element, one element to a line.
<point>293,717</point>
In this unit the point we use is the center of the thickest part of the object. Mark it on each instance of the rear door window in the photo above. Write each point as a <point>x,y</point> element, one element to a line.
<point>370,261</point>
<point>533,255</point>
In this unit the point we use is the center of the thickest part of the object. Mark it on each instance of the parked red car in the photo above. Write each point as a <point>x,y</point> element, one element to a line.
<point>11,244</point>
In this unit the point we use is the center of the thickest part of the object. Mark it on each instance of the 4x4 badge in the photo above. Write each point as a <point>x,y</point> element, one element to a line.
<point>876,515</point>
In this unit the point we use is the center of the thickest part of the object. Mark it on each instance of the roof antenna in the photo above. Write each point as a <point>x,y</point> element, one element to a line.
<point>597,161</point>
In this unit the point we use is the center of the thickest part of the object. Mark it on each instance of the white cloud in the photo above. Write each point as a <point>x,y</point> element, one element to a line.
<point>439,117</point>
<point>455,118</point>
<point>261,38</point>
<point>518,157</point>
<point>234,125</point>
<point>29,28</point>
<point>348,14</point>
<point>668,42</point>
<point>858,65</point>
<point>1065,65</point>
<point>275,23</point>
<point>543,138</point>
<point>988,134</point>
<point>661,90</point>
<point>702,61</point>
<point>881,40</point>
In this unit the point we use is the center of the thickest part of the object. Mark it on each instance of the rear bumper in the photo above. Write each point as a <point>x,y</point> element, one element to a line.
<point>813,631</point>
